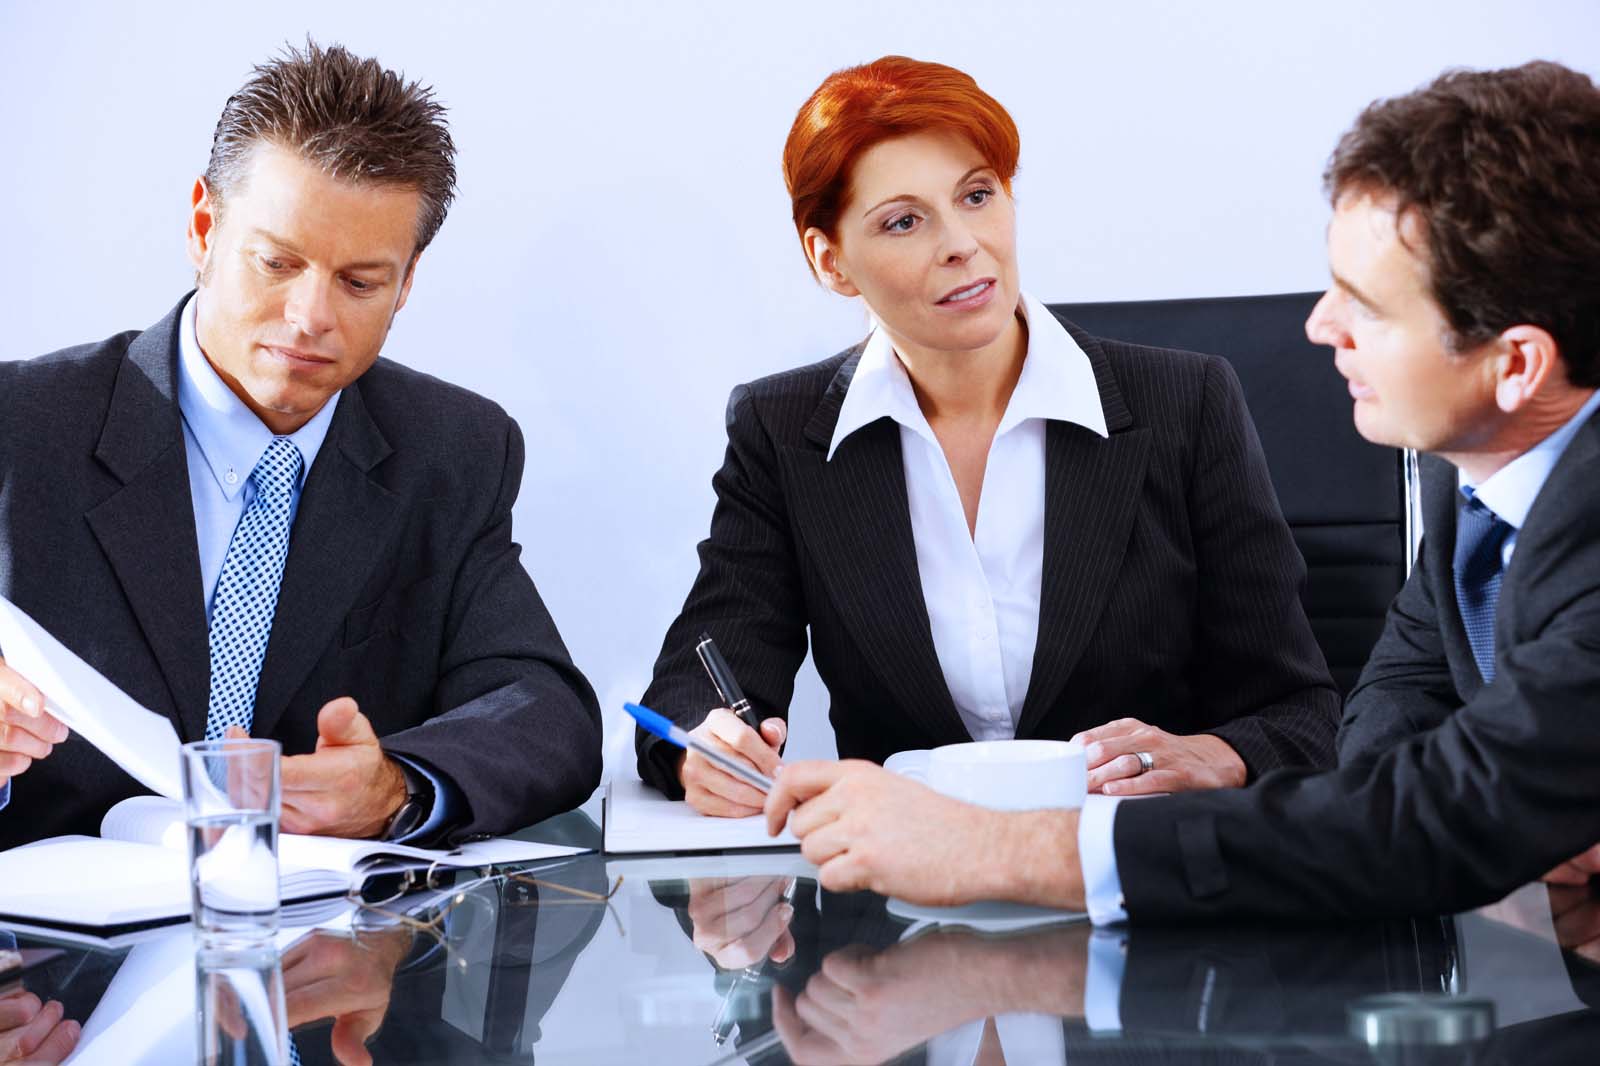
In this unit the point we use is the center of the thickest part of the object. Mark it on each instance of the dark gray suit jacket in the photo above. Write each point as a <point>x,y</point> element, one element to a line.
<point>402,588</point>
<point>1170,588</point>
<point>1451,792</point>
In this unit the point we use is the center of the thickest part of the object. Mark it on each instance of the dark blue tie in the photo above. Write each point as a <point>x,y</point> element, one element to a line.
<point>1480,540</point>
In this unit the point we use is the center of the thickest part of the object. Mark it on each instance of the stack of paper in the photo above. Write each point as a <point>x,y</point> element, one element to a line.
<point>640,819</point>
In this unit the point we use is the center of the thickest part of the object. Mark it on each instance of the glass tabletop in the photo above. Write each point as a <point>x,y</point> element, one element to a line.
<point>743,958</point>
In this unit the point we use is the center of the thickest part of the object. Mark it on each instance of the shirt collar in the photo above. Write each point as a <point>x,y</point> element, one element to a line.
<point>230,436</point>
<point>1510,491</point>
<point>1057,382</point>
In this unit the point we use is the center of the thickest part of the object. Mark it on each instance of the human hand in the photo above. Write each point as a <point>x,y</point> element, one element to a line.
<point>1576,870</point>
<point>869,1006</point>
<point>1181,763</point>
<point>348,787</point>
<point>33,1032</point>
<point>711,789</point>
<point>866,1006</point>
<point>868,828</point>
<point>348,980</point>
<point>741,921</point>
<point>28,732</point>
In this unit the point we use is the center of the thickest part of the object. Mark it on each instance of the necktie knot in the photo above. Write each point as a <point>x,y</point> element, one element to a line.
<point>278,469</point>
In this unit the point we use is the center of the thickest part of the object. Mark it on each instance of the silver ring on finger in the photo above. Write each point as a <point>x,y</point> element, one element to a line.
<point>1147,762</point>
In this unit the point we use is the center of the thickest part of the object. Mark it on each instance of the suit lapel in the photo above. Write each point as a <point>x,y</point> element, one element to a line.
<point>343,522</point>
<point>1440,500</point>
<point>146,529</point>
<point>857,522</point>
<point>1092,491</point>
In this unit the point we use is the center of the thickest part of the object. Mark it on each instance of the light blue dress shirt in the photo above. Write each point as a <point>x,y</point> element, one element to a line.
<point>224,439</point>
<point>1509,492</point>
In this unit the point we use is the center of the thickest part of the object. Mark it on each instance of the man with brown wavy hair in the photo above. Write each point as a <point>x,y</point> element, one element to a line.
<point>1465,313</point>
<point>251,523</point>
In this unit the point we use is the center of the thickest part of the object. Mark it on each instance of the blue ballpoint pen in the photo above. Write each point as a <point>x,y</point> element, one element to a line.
<point>663,728</point>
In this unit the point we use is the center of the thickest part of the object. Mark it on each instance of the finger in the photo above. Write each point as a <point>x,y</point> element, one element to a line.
<point>1120,767</point>
<point>1567,873</point>
<point>751,893</point>
<point>743,740</point>
<point>798,1038</point>
<point>12,764</point>
<point>17,740</point>
<point>775,731</point>
<point>1099,752</point>
<point>340,723</point>
<point>18,1009</point>
<point>31,1035</point>
<point>818,812</point>
<point>821,1016</point>
<point>1111,729</point>
<point>57,1044</point>
<point>46,727</point>
<point>713,778</point>
<point>831,997</point>
<point>849,967</point>
<point>1580,925</point>
<point>1587,861</point>
<point>783,950</point>
<point>1148,783</point>
<point>19,692</point>
<point>714,806</point>
<point>826,847</point>
<point>350,1035</point>
<point>850,872</point>
<point>798,783</point>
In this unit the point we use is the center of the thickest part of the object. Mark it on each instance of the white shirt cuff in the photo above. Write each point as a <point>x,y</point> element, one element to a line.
<point>1102,887</point>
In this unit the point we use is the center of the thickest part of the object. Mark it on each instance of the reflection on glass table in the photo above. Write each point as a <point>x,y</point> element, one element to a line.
<point>653,959</point>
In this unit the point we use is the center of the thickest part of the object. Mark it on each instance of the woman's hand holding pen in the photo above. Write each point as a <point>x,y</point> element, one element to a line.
<point>712,790</point>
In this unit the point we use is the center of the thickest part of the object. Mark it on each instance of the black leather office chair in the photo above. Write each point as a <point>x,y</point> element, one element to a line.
<point>1349,504</point>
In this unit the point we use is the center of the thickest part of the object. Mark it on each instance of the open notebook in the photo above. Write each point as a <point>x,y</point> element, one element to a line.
<point>137,870</point>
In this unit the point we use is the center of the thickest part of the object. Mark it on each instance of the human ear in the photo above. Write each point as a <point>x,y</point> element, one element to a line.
<point>1530,360</point>
<point>826,264</point>
<point>202,224</point>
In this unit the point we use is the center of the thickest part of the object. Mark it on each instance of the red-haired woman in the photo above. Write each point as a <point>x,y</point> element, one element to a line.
<point>993,524</point>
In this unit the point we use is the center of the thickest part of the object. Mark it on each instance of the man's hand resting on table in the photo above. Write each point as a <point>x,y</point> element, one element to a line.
<point>28,732</point>
<point>868,828</point>
<point>348,787</point>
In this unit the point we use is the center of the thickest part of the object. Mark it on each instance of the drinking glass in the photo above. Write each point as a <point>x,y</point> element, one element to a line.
<point>230,800</point>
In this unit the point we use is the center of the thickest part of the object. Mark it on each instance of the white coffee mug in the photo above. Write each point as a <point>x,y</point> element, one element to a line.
<point>1011,775</point>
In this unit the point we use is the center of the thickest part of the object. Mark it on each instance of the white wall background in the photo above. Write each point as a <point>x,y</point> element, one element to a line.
<point>621,253</point>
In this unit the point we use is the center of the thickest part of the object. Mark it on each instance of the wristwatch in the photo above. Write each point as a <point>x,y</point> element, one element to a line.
<point>416,808</point>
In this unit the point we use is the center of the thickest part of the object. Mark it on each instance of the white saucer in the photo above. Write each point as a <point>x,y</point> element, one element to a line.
<point>990,916</point>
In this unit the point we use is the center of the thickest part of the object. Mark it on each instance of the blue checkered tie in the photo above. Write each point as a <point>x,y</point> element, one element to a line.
<point>247,591</point>
<point>1480,539</point>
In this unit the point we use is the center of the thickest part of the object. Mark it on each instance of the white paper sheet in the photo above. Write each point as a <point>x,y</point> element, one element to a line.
<point>640,819</point>
<point>136,739</point>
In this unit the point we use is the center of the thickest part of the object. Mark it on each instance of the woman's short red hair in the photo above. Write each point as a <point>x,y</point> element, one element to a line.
<point>858,107</point>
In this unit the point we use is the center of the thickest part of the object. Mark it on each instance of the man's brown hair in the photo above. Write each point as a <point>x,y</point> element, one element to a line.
<point>347,115</point>
<point>1502,169</point>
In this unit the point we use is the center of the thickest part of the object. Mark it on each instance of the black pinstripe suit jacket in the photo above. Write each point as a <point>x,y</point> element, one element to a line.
<point>1170,588</point>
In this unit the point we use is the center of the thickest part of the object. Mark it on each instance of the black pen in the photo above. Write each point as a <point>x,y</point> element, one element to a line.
<point>733,697</point>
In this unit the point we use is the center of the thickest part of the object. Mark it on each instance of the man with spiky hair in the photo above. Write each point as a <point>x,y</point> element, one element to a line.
<point>252,524</point>
<point>1464,311</point>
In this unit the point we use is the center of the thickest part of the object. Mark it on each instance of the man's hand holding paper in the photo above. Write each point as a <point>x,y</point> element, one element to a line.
<point>27,731</point>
